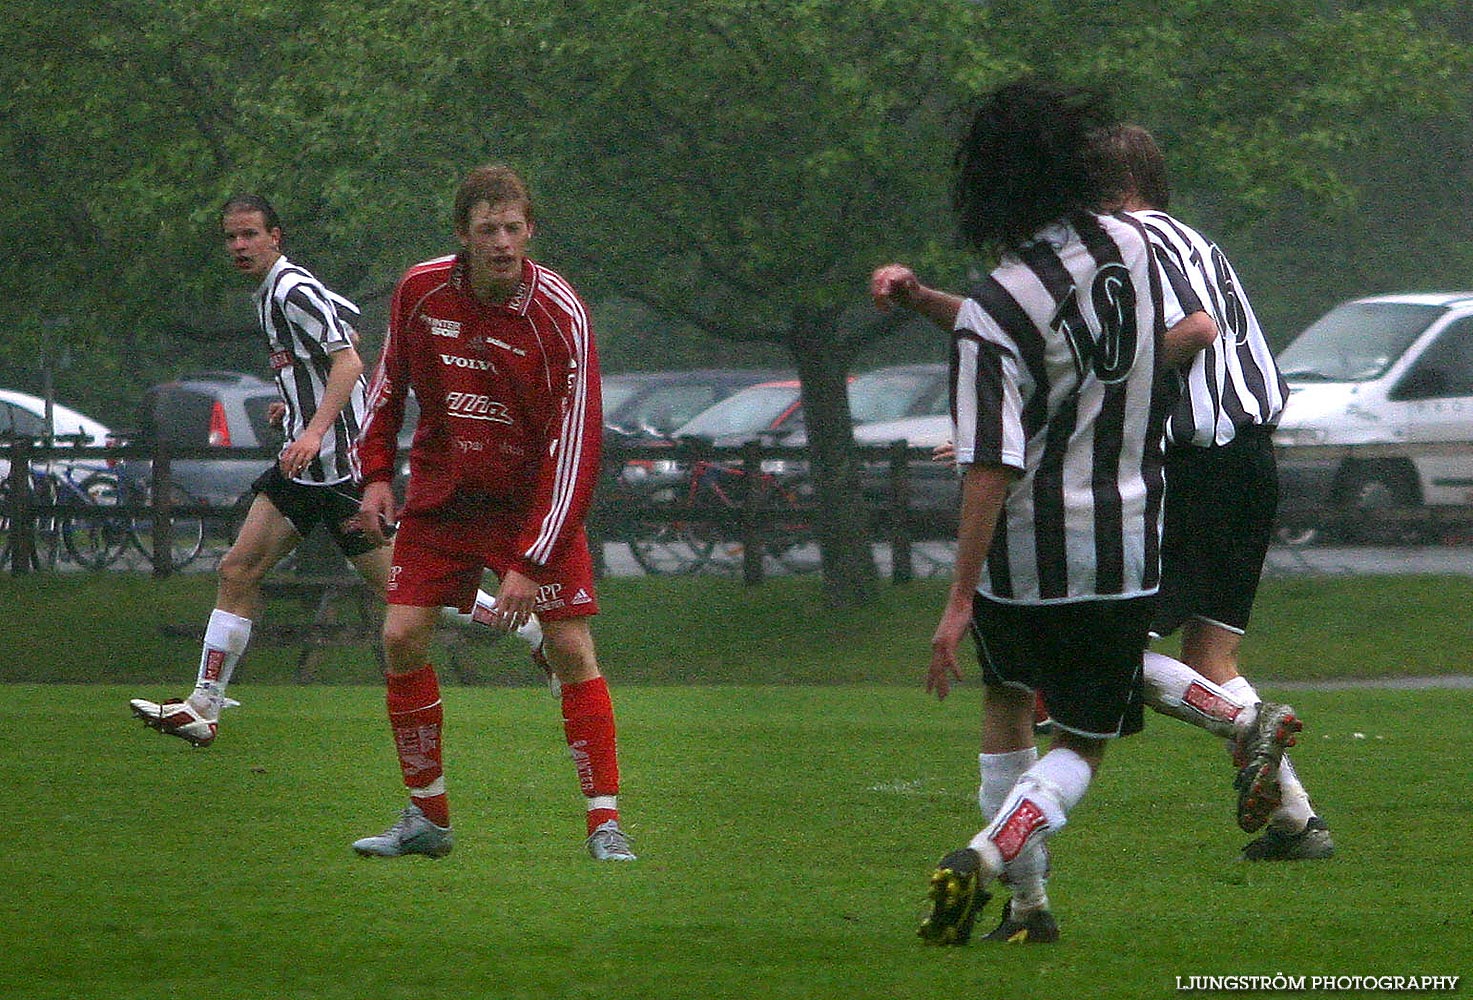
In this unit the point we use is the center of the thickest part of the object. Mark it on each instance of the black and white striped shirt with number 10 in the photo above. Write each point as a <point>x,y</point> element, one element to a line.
<point>305,323</point>
<point>1234,382</point>
<point>1054,361</point>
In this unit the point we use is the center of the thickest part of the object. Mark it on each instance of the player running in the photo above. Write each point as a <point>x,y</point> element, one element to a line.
<point>309,335</point>
<point>1059,416</point>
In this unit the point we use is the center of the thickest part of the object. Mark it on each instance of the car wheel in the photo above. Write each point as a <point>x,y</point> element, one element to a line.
<point>1375,495</point>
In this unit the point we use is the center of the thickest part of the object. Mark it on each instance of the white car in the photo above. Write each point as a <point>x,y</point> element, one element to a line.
<point>934,486</point>
<point>1380,411</point>
<point>24,415</point>
<point>930,431</point>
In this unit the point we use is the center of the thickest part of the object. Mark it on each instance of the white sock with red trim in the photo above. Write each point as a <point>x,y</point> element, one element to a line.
<point>226,637</point>
<point>1035,809</point>
<point>1175,689</point>
<point>1027,876</point>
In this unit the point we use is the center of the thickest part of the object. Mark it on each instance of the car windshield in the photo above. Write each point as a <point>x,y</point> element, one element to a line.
<point>888,395</point>
<point>750,411</point>
<point>617,392</point>
<point>1356,341</point>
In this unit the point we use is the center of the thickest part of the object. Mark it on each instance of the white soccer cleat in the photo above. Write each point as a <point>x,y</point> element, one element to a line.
<point>412,833</point>
<point>609,843</point>
<point>175,717</point>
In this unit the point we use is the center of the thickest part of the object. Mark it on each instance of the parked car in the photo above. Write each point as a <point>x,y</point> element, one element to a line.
<point>774,410</point>
<point>935,489</point>
<point>219,409</point>
<point>660,401</point>
<point>1380,412</point>
<point>216,409</point>
<point>24,415</point>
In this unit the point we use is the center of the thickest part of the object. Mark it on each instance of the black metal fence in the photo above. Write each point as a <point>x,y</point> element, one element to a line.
<point>675,506</point>
<point>680,508</point>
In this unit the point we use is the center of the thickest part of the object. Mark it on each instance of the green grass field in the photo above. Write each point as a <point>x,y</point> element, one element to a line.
<point>785,825</point>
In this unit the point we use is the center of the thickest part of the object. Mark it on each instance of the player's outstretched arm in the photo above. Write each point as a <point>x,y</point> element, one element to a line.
<point>896,285</point>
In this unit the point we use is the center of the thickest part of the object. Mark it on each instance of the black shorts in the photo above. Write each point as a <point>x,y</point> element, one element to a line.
<point>308,506</point>
<point>1084,657</point>
<point>1220,509</point>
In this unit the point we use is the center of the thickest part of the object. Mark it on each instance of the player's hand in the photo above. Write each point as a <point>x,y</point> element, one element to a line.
<point>944,454</point>
<point>893,285</point>
<point>299,454</point>
<point>956,619</point>
<point>516,599</point>
<point>376,512</point>
<point>275,413</point>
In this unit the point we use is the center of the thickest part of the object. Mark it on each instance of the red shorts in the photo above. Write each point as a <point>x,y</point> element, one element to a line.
<point>440,563</point>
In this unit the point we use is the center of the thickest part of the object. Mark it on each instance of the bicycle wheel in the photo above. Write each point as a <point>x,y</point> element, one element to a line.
<point>95,537</point>
<point>187,534</point>
<point>669,548</point>
<point>42,554</point>
<point>792,543</point>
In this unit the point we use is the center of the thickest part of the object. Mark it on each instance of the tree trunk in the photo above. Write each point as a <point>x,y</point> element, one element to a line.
<point>842,528</point>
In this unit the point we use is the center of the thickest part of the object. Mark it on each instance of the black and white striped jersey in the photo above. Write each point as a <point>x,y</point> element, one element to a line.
<point>1054,362</point>
<point>1234,382</point>
<point>305,323</point>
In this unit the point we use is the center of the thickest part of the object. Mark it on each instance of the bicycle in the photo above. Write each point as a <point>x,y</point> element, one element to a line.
<point>69,514</point>
<point>186,533</point>
<point>681,528</point>
<point>77,514</point>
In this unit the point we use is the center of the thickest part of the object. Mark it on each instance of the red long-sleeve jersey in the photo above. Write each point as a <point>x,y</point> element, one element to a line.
<point>511,421</point>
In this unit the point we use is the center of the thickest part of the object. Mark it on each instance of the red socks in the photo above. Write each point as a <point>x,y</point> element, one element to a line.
<point>588,722</point>
<point>416,716</point>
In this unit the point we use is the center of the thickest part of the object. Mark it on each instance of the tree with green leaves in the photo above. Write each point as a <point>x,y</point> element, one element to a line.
<point>735,168</point>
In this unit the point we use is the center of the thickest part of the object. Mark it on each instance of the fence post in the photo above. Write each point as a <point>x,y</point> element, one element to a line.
<point>163,513</point>
<point>752,505</point>
<point>902,567</point>
<point>22,513</point>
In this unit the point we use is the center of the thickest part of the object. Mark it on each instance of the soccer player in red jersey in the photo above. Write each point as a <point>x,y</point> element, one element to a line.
<point>499,352</point>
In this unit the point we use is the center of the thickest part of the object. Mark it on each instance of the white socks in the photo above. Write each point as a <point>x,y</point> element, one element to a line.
<point>1175,689</point>
<point>1027,875</point>
<point>1034,809</point>
<point>226,637</point>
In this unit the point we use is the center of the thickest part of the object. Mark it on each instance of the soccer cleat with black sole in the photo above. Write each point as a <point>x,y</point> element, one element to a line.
<point>1313,843</point>
<point>1038,927</point>
<point>1257,782</point>
<point>957,897</point>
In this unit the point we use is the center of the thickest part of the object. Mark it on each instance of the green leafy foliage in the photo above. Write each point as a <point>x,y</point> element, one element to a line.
<point>734,168</point>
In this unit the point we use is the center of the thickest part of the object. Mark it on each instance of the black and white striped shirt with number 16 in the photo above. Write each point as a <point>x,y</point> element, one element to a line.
<point>1054,374</point>
<point>305,323</point>
<point>1234,382</point>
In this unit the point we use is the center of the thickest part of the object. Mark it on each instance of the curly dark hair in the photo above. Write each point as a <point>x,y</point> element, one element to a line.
<point>1025,162</point>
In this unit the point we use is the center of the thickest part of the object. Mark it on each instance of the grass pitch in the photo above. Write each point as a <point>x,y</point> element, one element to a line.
<point>785,836</point>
